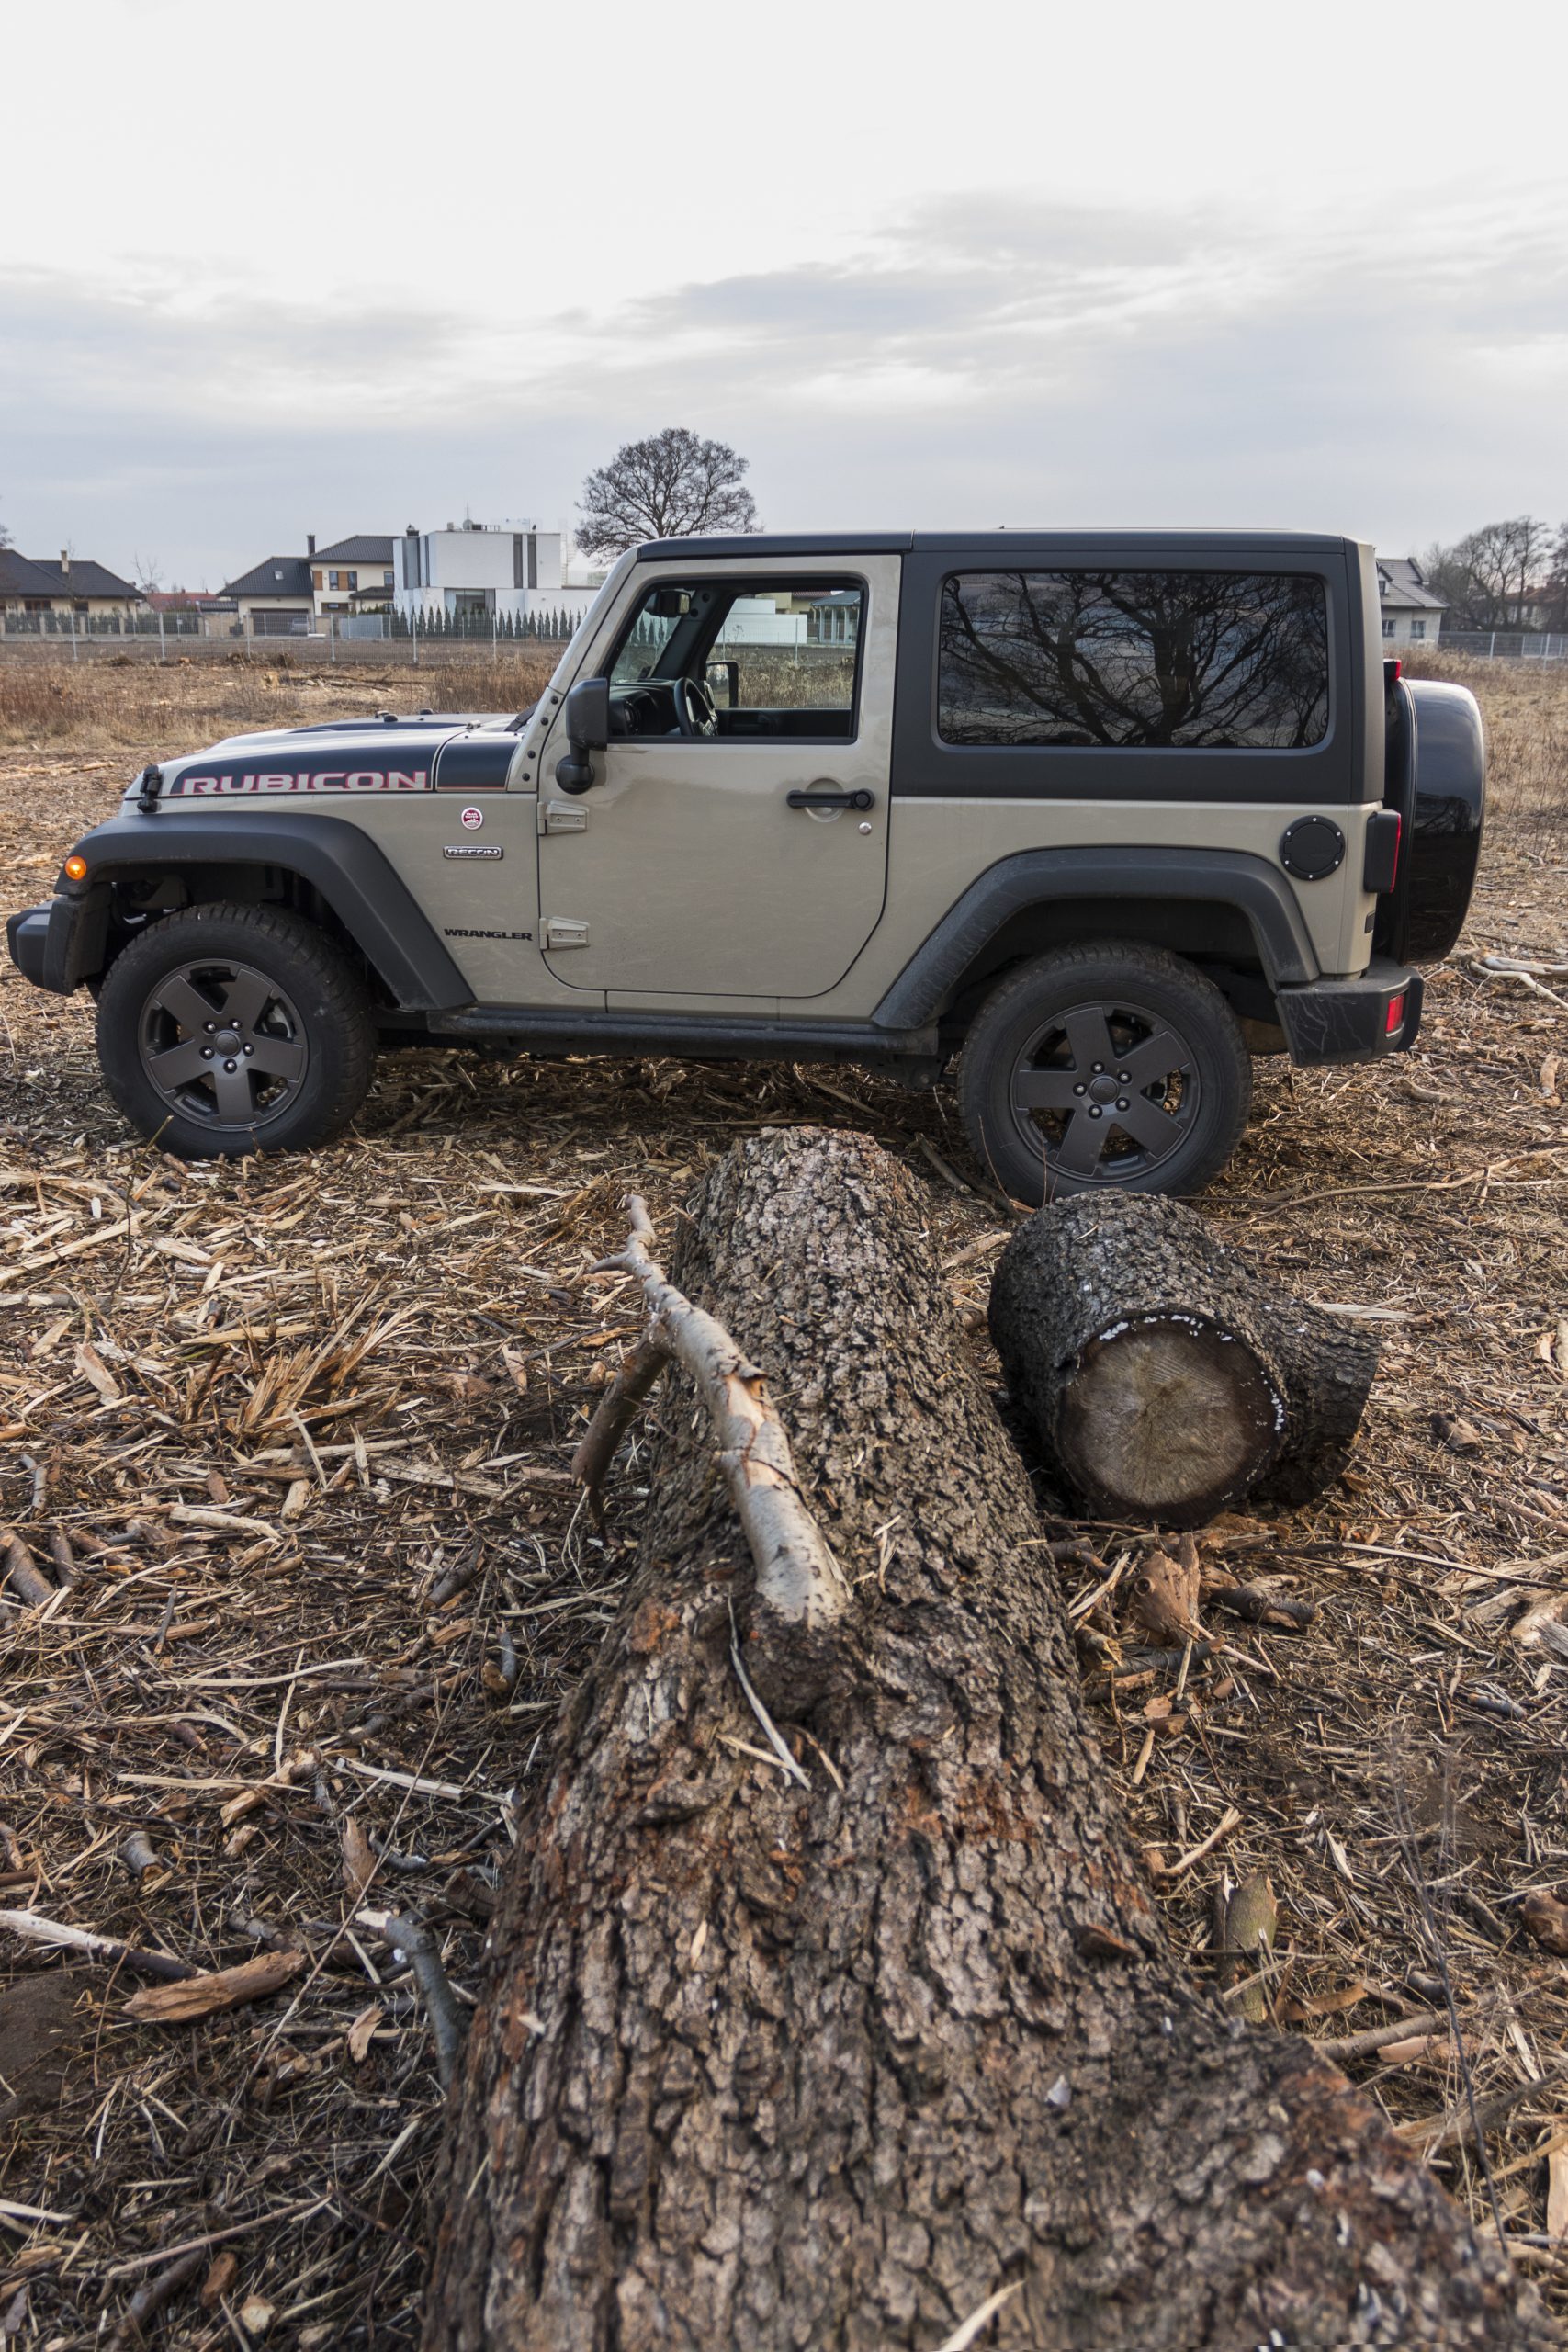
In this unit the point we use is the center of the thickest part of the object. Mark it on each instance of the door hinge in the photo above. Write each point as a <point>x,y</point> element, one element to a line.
<point>563,817</point>
<point>560,932</point>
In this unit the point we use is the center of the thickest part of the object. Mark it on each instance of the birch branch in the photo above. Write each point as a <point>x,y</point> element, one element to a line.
<point>797,1577</point>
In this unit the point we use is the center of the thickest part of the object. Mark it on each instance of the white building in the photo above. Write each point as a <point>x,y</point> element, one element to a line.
<point>475,570</point>
<point>1412,615</point>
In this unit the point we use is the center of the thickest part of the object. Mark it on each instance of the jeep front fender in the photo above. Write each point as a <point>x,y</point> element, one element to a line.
<point>338,860</point>
<point>1043,877</point>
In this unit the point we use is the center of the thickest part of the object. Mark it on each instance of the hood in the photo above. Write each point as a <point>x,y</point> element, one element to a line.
<point>384,754</point>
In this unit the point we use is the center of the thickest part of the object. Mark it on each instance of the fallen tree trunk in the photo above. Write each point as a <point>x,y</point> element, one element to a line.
<point>843,2058</point>
<point>1161,1376</point>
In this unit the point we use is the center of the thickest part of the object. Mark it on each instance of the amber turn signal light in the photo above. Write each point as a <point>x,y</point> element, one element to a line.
<point>75,869</point>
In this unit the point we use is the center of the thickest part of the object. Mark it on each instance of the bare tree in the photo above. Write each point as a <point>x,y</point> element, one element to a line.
<point>1487,577</point>
<point>1556,613</point>
<point>664,488</point>
<point>5,539</point>
<point>147,571</point>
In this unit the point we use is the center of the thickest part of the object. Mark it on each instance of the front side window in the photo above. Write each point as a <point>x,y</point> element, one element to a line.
<point>753,658</point>
<point>1221,661</point>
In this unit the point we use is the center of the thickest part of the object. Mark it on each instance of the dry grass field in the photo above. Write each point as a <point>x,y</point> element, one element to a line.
<point>148,711</point>
<point>291,1438</point>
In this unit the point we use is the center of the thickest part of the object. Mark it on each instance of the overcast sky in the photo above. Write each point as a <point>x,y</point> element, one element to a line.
<point>343,269</point>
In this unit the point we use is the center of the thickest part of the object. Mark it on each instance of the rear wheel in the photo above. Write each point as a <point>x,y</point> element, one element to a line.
<point>224,1030</point>
<point>1105,1066</point>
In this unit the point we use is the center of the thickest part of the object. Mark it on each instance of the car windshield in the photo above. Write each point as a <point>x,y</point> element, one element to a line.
<point>638,657</point>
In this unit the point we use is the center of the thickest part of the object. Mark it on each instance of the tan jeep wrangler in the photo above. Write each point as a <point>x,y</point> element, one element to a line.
<point>1092,817</point>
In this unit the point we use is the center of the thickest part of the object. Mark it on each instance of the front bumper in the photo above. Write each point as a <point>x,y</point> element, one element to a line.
<point>1350,1020</point>
<point>60,945</point>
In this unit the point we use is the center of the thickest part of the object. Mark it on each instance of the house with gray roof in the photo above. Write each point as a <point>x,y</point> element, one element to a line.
<point>295,595</point>
<point>274,598</point>
<point>353,575</point>
<point>63,584</point>
<point>1412,614</point>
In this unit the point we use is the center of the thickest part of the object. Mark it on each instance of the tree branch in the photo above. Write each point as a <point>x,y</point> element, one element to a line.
<point>797,1577</point>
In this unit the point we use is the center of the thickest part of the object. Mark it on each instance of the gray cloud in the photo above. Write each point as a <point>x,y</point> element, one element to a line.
<point>979,361</point>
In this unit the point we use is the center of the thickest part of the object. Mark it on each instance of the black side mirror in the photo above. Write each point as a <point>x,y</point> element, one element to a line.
<point>587,730</point>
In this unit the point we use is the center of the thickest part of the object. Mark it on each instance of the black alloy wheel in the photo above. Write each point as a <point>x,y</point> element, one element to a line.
<point>1106,1065</point>
<point>1107,1092</point>
<point>220,1041</point>
<point>227,1029</point>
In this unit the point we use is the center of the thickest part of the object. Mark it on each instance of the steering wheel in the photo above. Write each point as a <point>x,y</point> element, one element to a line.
<point>695,712</point>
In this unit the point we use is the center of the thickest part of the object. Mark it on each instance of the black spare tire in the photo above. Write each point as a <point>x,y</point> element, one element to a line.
<point>225,1030</point>
<point>1105,1066</point>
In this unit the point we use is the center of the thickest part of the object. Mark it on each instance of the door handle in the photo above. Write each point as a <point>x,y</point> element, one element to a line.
<point>860,799</point>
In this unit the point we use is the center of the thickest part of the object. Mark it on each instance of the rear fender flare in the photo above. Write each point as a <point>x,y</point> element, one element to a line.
<point>1040,878</point>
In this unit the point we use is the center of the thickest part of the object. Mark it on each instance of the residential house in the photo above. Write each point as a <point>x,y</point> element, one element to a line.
<point>64,587</point>
<point>274,599</point>
<point>479,569</point>
<point>351,576</point>
<point>1412,615</point>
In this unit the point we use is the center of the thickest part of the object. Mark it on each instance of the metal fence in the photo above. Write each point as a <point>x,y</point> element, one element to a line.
<point>387,637</point>
<point>1503,644</point>
<point>87,627</point>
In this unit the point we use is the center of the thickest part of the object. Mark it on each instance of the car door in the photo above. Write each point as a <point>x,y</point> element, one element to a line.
<point>751,864</point>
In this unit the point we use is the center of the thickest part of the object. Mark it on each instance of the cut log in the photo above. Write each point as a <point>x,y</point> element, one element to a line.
<point>844,2057</point>
<point>1160,1377</point>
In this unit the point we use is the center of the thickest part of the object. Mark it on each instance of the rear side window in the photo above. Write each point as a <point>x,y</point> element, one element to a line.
<point>1215,661</point>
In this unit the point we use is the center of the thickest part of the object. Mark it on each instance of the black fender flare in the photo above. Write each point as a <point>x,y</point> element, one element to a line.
<point>338,859</point>
<point>1040,878</point>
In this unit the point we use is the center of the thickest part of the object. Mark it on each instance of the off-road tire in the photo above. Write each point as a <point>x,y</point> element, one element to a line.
<point>1151,1008</point>
<point>316,1024</point>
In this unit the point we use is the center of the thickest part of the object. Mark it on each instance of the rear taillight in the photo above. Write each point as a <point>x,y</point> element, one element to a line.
<point>1393,1019</point>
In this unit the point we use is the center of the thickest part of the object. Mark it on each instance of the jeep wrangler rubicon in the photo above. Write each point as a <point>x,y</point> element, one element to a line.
<point>1093,816</point>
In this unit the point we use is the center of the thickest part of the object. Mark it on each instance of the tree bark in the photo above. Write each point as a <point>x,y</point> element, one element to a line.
<point>1163,1378</point>
<point>766,2065</point>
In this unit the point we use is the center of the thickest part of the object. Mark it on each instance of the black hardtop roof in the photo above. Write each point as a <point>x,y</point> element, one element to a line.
<point>1001,547</point>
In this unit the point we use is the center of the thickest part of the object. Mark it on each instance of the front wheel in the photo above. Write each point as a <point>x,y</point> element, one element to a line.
<point>224,1030</point>
<point>1104,1067</point>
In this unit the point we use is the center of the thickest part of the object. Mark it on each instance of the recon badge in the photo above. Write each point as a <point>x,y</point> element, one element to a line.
<point>472,849</point>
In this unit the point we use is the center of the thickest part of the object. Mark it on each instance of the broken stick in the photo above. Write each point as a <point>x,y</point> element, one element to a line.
<point>797,1577</point>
